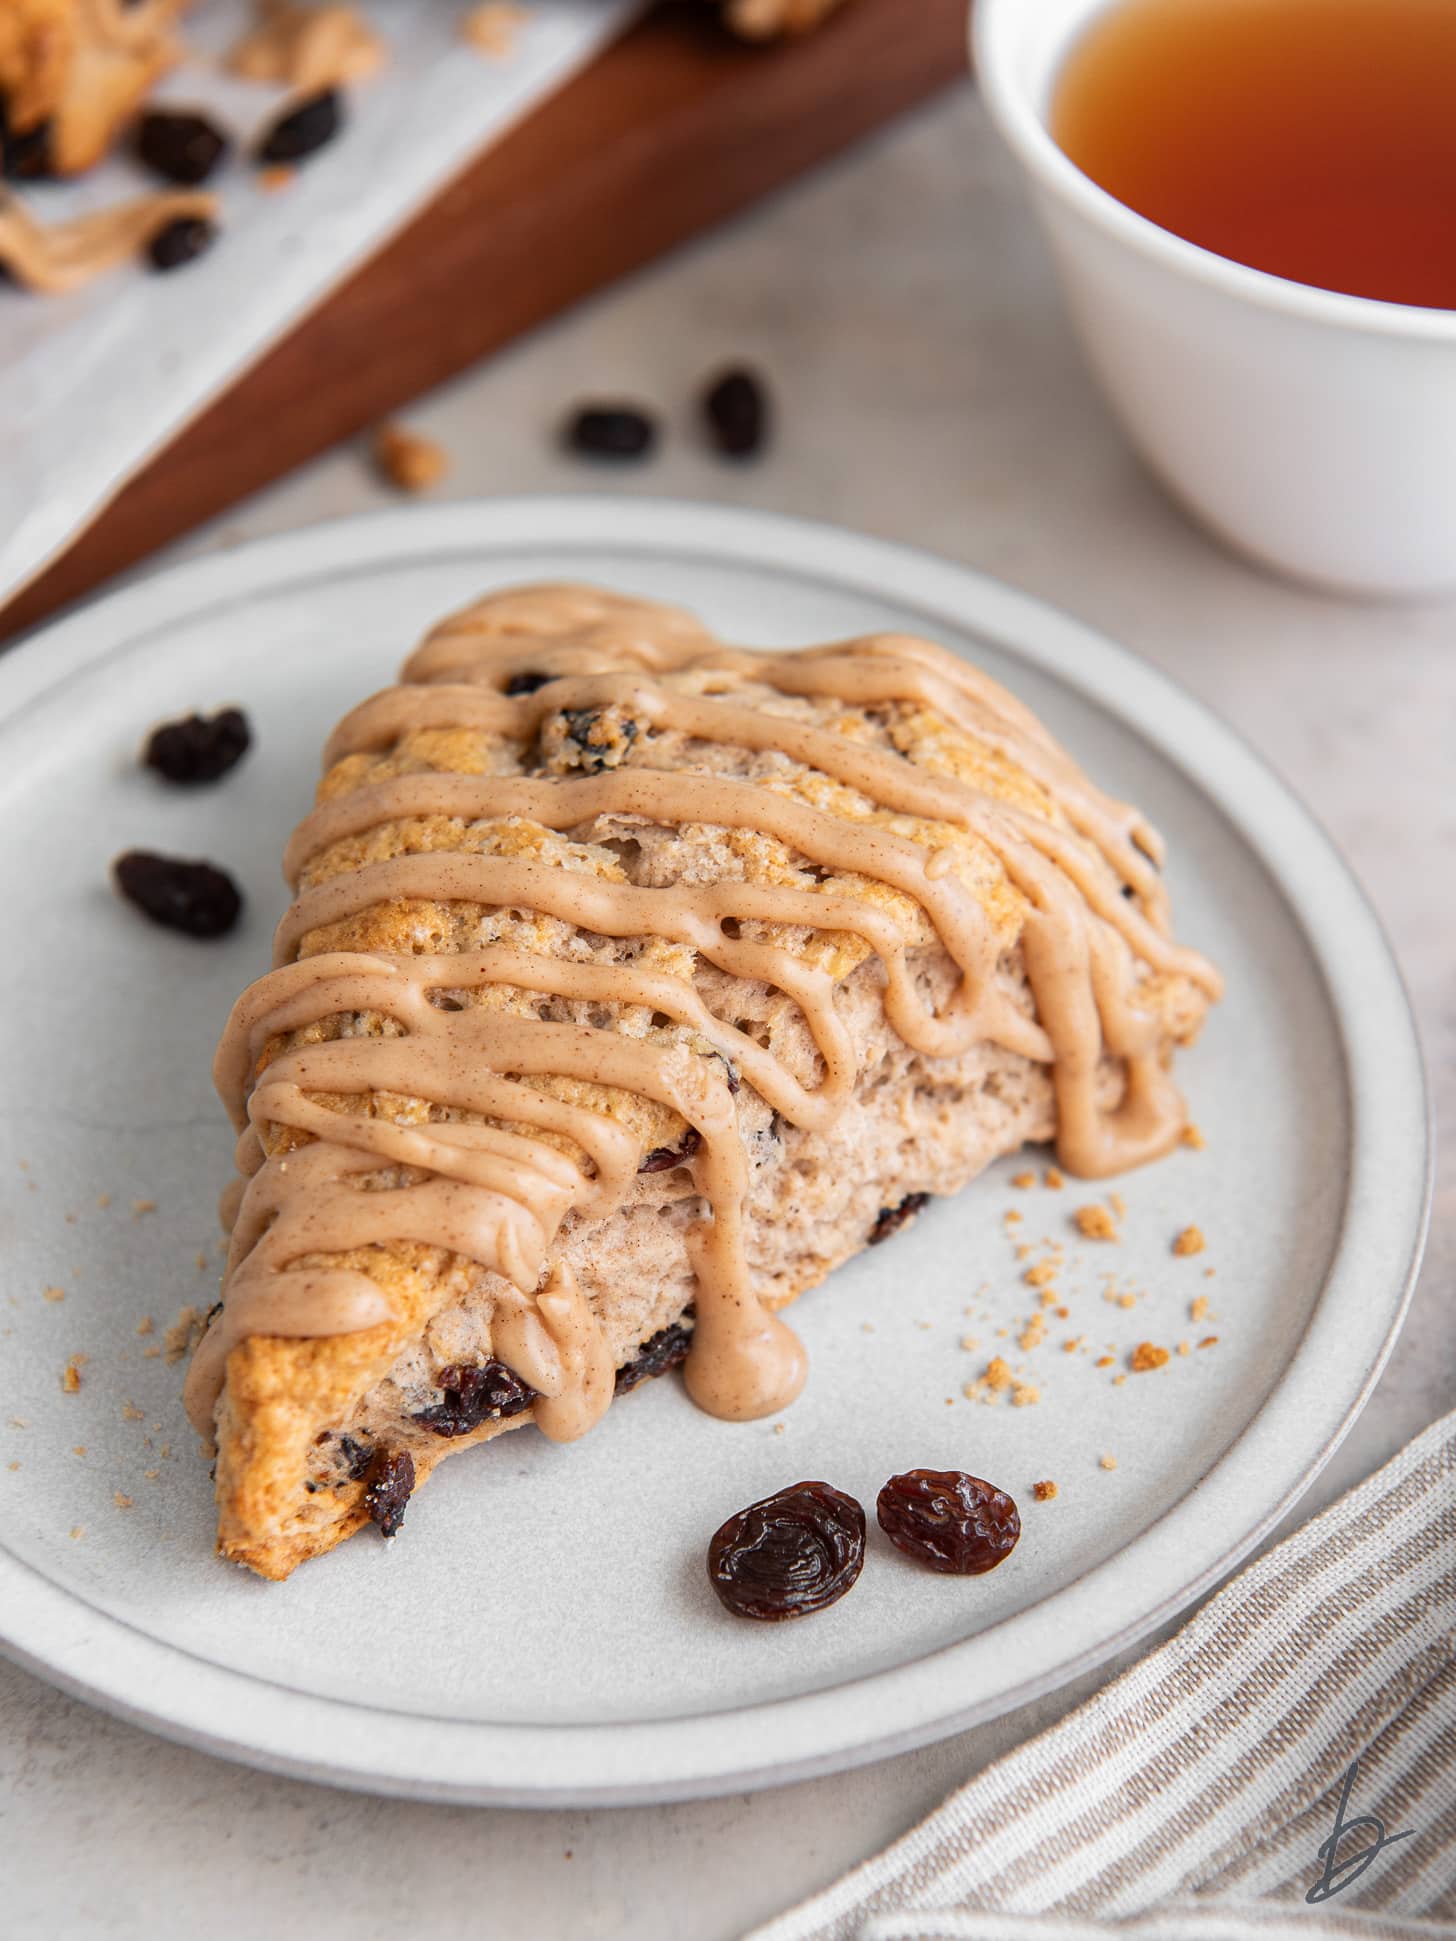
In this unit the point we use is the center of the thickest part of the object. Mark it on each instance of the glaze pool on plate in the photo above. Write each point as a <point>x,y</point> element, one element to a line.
<point>544,1629</point>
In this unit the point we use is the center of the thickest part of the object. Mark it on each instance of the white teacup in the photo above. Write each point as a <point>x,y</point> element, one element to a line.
<point>1313,430</point>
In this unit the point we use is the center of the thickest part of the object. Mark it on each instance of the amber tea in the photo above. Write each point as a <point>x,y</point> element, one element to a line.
<point>1315,139</point>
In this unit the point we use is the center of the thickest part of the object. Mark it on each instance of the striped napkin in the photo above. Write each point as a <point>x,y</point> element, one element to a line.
<point>1199,1797</point>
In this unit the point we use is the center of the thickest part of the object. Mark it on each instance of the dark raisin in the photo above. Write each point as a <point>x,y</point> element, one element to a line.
<point>890,1219</point>
<point>527,683</point>
<point>795,1552</point>
<point>948,1520</point>
<point>388,1488</point>
<point>356,1455</point>
<point>308,126</point>
<point>183,148</point>
<point>668,1348</point>
<point>212,1313</point>
<point>662,1159</point>
<point>730,1072</point>
<point>736,407</point>
<point>198,748</point>
<point>490,1393</point>
<point>24,157</point>
<point>192,897</point>
<point>180,241</point>
<point>1128,891</point>
<point>611,431</point>
<point>311,1487</point>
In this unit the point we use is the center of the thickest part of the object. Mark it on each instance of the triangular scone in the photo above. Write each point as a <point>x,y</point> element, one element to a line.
<point>74,72</point>
<point>633,983</point>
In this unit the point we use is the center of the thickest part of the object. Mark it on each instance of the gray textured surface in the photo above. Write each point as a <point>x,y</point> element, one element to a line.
<point>930,392</point>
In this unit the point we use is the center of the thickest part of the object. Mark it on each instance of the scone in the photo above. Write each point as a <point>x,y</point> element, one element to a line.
<point>72,74</point>
<point>634,982</point>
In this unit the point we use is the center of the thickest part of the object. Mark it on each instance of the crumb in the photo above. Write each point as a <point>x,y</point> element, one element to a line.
<point>1209,1341</point>
<point>1185,1347</point>
<point>1012,1218</point>
<point>1042,1275</point>
<point>925,1326</point>
<point>1118,1380</point>
<point>202,1263</point>
<point>272,180</point>
<point>55,1293</point>
<point>1145,1356</point>
<point>997,1375</point>
<point>1198,1307</point>
<point>1063,1313</point>
<point>151,1354</point>
<point>1208,1273</point>
<point>491,28</point>
<point>778,1430</point>
<point>1025,1395</point>
<point>184,1332</point>
<point>141,1207</point>
<point>1189,1241</point>
<point>1107,1462</point>
<point>12,1465</point>
<point>1072,1344</point>
<point>122,1502</point>
<point>1033,1334</point>
<point>1118,1205</point>
<point>950,1401</point>
<point>1095,1223</point>
<point>1023,1180</point>
<point>407,460</point>
<point>1002,1333</point>
<point>78,1530</point>
<point>1054,1183</point>
<point>1104,1361</point>
<point>131,1413</point>
<point>71,1376</point>
<point>1025,1250</point>
<point>1044,1492</point>
<point>151,1474</point>
<point>103,1200</point>
<point>969,1341</point>
<point>866,1327</point>
<point>78,1449</point>
<point>165,1451</point>
<point>1191,1136</point>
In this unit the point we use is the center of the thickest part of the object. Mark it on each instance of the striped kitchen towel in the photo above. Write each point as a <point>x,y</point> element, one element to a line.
<point>1284,1767</point>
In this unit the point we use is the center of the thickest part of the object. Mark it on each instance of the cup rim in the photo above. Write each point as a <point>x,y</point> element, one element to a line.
<point>1025,132</point>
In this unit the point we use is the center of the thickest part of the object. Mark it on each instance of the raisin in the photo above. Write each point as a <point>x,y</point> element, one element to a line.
<point>796,1552</point>
<point>736,407</point>
<point>948,1520</point>
<point>527,683</point>
<point>611,431</point>
<point>194,898</point>
<point>388,1488</point>
<point>489,1393</point>
<point>183,148</point>
<point>180,241</point>
<point>668,1348</point>
<point>603,740</point>
<point>890,1219</point>
<point>357,1457</point>
<point>27,156</point>
<point>663,1158</point>
<point>307,127</point>
<point>197,748</point>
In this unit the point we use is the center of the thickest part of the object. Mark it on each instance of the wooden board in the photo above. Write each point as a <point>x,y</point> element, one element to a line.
<point>674,128</point>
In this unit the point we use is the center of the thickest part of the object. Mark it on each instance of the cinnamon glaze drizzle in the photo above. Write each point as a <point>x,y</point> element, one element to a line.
<point>498,1192</point>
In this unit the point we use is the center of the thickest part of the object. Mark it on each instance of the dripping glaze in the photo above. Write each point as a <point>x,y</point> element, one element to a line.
<point>498,1192</point>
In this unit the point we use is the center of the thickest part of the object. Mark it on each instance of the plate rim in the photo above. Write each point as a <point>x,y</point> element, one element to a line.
<point>106,1661</point>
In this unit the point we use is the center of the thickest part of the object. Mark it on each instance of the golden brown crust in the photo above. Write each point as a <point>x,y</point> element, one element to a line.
<point>79,70</point>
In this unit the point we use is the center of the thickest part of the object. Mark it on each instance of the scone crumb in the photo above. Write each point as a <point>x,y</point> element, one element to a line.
<point>272,180</point>
<point>1033,1334</point>
<point>1011,1217</point>
<point>55,1293</point>
<point>122,1502</point>
<point>151,1475</point>
<point>1185,1347</point>
<point>1044,1491</point>
<point>1025,1395</point>
<point>1189,1241</point>
<point>1042,1275</point>
<point>1023,1180</point>
<point>12,1465</point>
<point>78,1449</point>
<point>1147,1355</point>
<point>145,1325</point>
<point>140,1208</point>
<point>1191,1136</point>
<point>1054,1183</point>
<point>491,28</point>
<point>1104,1361</point>
<point>131,1413</point>
<point>1198,1308</point>
<point>1209,1341</point>
<point>1095,1223</point>
<point>969,1341</point>
<point>1118,1205</point>
<point>408,460</point>
<point>184,1332</point>
<point>866,1327</point>
<point>779,1428</point>
<point>997,1376</point>
<point>78,1530</point>
<point>71,1375</point>
<point>201,1262</point>
<point>103,1200</point>
<point>1107,1462</point>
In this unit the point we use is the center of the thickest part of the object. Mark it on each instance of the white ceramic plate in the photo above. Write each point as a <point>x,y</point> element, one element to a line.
<point>543,1631</point>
